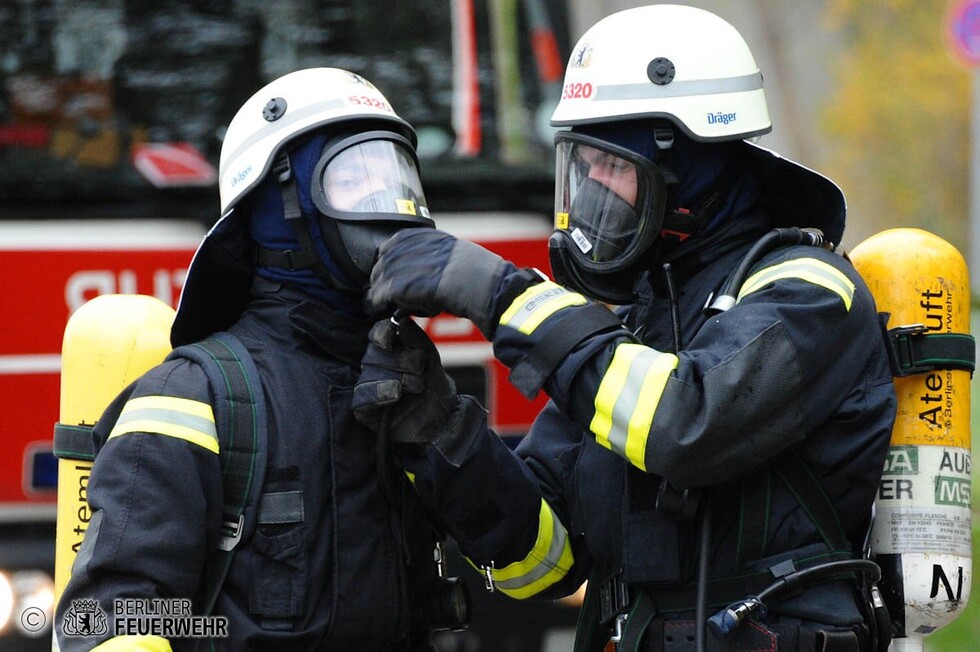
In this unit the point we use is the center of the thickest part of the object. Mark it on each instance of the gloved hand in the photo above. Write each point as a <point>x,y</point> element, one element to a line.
<point>401,372</point>
<point>427,271</point>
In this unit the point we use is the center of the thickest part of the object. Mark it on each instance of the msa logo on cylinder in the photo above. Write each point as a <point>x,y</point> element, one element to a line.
<point>85,285</point>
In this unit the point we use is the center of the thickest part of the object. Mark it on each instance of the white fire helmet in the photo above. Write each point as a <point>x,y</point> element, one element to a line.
<point>675,62</point>
<point>216,289</point>
<point>659,64</point>
<point>288,107</point>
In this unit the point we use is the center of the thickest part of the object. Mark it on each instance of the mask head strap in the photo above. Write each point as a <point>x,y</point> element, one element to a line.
<point>306,257</point>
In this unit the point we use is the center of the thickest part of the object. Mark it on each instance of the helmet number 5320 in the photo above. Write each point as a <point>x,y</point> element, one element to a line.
<point>364,100</point>
<point>577,90</point>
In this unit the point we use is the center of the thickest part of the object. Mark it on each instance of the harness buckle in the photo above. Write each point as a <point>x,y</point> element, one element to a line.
<point>614,599</point>
<point>618,627</point>
<point>232,533</point>
<point>901,348</point>
<point>281,168</point>
<point>489,583</point>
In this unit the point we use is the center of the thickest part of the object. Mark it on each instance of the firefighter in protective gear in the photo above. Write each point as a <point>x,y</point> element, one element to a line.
<point>724,427</point>
<point>316,169</point>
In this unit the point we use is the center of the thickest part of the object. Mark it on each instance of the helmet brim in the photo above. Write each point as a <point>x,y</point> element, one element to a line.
<point>798,196</point>
<point>217,288</point>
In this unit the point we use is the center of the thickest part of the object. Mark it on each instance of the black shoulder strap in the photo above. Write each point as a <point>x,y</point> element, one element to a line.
<point>241,424</point>
<point>590,634</point>
<point>753,517</point>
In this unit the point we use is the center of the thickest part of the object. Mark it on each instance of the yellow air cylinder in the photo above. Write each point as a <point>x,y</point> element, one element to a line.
<point>108,343</point>
<point>922,532</point>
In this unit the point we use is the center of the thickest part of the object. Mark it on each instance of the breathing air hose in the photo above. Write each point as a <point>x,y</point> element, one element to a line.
<point>781,237</point>
<point>725,621</point>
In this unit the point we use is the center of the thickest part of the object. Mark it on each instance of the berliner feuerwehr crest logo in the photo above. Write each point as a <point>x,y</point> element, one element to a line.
<point>357,79</point>
<point>85,618</point>
<point>583,56</point>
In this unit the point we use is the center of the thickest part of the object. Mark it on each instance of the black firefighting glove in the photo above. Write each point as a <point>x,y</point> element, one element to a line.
<point>402,374</point>
<point>404,390</point>
<point>426,271</point>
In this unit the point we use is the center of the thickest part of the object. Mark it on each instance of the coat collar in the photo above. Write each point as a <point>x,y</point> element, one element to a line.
<point>700,252</point>
<point>328,331</point>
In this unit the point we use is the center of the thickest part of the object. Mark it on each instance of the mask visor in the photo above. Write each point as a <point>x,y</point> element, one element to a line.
<point>609,202</point>
<point>372,176</point>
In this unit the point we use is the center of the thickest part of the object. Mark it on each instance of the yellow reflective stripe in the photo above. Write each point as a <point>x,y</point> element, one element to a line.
<point>549,560</point>
<point>810,270</point>
<point>182,418</point>
<point>134,643</point>
<point>536,304</point>
<point>628,396</point>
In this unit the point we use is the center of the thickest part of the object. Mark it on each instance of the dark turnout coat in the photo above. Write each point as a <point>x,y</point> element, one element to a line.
<point>771,412</point>
<point>325,569</point>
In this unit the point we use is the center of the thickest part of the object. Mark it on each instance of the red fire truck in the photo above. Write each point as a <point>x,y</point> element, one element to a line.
<point>111,117</point>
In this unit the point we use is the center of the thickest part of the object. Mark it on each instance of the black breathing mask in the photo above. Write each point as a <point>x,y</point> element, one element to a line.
<point>609,208</point>
<point>366,186</point>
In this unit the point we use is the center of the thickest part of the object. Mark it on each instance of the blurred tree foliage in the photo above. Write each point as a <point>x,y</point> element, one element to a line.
<point>899,122</point>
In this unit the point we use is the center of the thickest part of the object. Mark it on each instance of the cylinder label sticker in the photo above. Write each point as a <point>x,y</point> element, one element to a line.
<point>923,501</point>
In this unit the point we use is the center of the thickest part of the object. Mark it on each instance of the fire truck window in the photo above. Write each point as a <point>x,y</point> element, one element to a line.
<point>84,85</point>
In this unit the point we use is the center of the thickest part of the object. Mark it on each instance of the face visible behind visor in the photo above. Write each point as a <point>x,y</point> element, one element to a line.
<point>668,62</point>
<point>368,186</point>
<point>268,124</point>
<point>609,207</point>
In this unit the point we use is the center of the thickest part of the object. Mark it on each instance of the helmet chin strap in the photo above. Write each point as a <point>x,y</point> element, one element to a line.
<point>682,222</point>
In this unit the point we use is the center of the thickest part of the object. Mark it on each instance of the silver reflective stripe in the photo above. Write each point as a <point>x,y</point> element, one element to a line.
<point>810,270</point>
<point>171,417</point>
<point>536,304</point>
<point>541,569</point>
<point>548,561</point>
<point>181,418</point>
<point>629,398</point>
<point>680,88</point>
<point>282,124</point>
